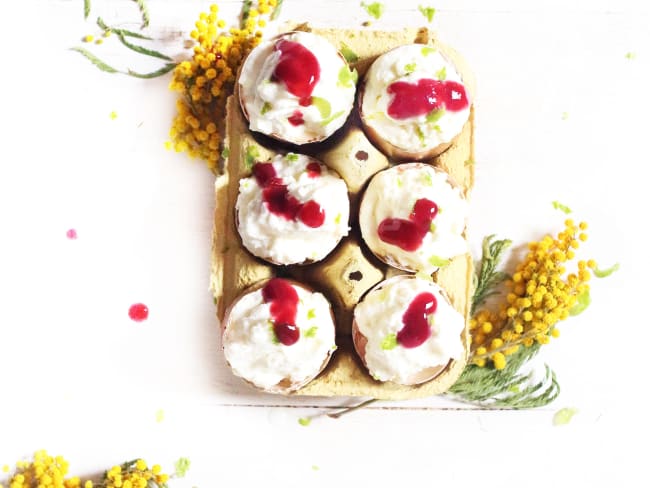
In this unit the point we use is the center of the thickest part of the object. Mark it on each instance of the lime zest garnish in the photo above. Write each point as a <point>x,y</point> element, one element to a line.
<point>441,74</point>
<point>435,115</point>
<point>349,55</point>
<point>311,313</point>
<point>304,421</point>
<point>323,106</point>
<point>428,12</point>
<point>347,77</point>
<point>311,332</point>
<point>374,9</point>
<point>266,107</point>
<point>389,342</point>
<point>438,261</point>
<point>252,153</point>
<point>420,134</point>
<point>330,119</point>
<point>292,157</point>
<point>426,50</point>
<point>409,68</point>
<point>564,415</point>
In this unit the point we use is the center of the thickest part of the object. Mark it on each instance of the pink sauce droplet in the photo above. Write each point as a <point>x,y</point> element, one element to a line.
<point>71,234</point>
<point>298,69</point>
<point>284,304</point>
<point>415,99</point>
<point>409,234</point>
<point>138,312</point>
<point>296,118</point>
<point>280,202</point>
<point>416,328</point>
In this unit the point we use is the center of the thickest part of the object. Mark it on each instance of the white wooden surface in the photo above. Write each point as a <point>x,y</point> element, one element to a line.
<point>80,379</point>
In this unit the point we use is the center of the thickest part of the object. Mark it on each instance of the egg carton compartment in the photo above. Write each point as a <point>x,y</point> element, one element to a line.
<point>351,269</point>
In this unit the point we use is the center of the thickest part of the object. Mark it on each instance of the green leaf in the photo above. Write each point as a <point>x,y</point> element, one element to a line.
<point>304,421</point>
<point>374,9</point>
<point>428,12</point>
<point>441,74</point>
<point>333,117</point>
<point>245,12</point>
<point>142,50</point>
<point>584,299</point>
<point>311,332</point>
<point>95,60</point>
<point>86,8</point>
<point>389,342</point>
<point>487,277</point>
<point>349,55</point>
<point>266,107</point>
<point>604,273</point>
<point>276,10</point>
<point>409,68</point>
<point>558,206</point>
<point>426,50</point>
<point>347,77</point>
<point>438,261</point>
<point>126,33</point>
<point>564,415</point>
<point>181,466</point>
<point>252,153</point>
<point>154,74</point>
<point>435,115</point>
<point>323,106</point>
<point>292,157</point>
<point>144,12</point>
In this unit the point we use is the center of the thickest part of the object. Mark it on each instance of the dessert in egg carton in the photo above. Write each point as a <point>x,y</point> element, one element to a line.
<point>340,265</point>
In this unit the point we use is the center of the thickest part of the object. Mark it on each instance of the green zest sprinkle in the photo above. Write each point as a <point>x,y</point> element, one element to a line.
<point>427,180</point>
<point>181,466</point>
<point>409,68</point>
<point>426,50</point>
<point>604,273</point>
<point>432,228</point>
<point>311,313</point>
<point>441,74</point>
<point>558,206</point>
<point>266,107</point>
<point>323,106</point>
<point>630,55</point>
<point>438,261</point>
<point>435,115</point>
<point>399,182</point>
<point>292,157</point>
<point>347,77</point>
<point>225,153</point>
<point>274,337</point>
<point>330,119</point>
<point>374,9</point>
<point>428,12</point>
<point>252,153</point>
<point>584,299</point>
<point>304,421</point>
<point>311,332</point>
<point>389,342</point>
<point>337,219</point>
<point>564,415</point>
<point>349,55</point>
<point>420,135</point>
<point>314,467</point>
<point>160,415</point>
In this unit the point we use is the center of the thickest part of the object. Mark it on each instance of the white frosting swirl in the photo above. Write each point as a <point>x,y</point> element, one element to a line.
<point>392,193</point>
<point>269,104</point>
<point>380,315</point>
<point>254,354</point>
<point>410,64</point>
<point>281,241</point>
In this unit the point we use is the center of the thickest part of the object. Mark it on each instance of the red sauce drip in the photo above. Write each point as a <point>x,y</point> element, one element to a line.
<point>414,99</point>
<point>313,169</point>
<point>284,304</point>
<point>298,69</point>
<point>71,234</point>
<point>296,118</point>
<point>280,202</point>
<point>408,234</point>
<point>416,328</point>
<point>138,312</point>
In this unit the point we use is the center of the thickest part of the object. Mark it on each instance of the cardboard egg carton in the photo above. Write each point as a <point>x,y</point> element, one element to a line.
<point>351,269</point>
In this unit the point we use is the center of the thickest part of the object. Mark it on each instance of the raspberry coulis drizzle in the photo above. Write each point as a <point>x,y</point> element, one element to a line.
<point>284,304</point>
<point>408,234</point>
<point>280,202</point>
<point>415,99</point>
<point>299,70</point>
<point>416,328</point>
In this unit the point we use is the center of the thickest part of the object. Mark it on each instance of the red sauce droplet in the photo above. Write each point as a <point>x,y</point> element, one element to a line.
<point>280,202</point>
<point>415,99</point>
<point>313,169</point>
<point>416,328</point>
<point>71,234</point>
<point>298,69</point>
<point>138,312</point>
<point>284,304</point>
<point>408,234</point>
<point>296,118</point>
